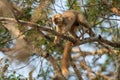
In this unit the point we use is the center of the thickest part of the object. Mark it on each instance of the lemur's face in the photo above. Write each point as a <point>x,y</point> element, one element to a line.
<point>57,19</point>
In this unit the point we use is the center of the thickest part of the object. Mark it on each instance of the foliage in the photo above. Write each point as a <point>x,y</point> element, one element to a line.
<point>34,19</point>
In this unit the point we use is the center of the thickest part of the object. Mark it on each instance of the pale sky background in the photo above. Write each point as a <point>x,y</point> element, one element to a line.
<point>36,64</point>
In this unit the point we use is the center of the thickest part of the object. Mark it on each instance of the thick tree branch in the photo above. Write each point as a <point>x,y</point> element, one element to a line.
<point>76,42</point>
<point>78,73</point>
<point>57,71</point>
<point>40,11</point>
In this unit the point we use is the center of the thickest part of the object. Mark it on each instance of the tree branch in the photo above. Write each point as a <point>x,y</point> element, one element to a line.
<point>74,41</point>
